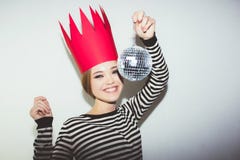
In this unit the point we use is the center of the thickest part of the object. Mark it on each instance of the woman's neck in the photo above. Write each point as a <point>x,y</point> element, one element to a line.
<point>101,107</point>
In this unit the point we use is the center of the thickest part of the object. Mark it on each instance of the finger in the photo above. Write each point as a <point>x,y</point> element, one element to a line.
<point>140,16</point>
<point>138,29</point>
<point>37,111</point>
<point>46,102</point>
<point>43,107</point>
<point>40,113</point>
<point>43,101</point>
<point>144,21</point>
<point>134,17</point>
<point>41,110</point>
<point>149,23</point>
<point>137,16</point>
<point>47,105</point>
<point>39,98</point>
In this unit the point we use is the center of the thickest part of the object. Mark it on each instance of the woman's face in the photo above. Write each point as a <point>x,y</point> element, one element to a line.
<point>106,83</point>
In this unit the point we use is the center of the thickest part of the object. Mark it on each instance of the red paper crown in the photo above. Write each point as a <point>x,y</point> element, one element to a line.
<point>95,45</point>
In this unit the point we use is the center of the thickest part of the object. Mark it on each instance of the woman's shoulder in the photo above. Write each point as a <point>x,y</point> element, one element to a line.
<point>75,120</point>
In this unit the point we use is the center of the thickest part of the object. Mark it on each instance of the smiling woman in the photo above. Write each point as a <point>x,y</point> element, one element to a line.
<point>108,130</point>
<point>105,83</point>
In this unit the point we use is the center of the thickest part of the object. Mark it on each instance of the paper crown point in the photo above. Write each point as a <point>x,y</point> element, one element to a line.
<point>95,44</point>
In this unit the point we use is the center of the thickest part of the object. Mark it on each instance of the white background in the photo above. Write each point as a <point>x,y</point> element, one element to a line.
<point>198,118</point>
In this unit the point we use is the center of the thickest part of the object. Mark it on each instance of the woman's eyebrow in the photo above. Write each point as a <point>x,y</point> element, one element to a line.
<point>97,72</point>
<point>113,67</point>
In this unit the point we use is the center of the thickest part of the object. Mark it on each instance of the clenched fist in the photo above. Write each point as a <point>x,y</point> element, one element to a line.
<point>41,108</point>
<point>144,25</point>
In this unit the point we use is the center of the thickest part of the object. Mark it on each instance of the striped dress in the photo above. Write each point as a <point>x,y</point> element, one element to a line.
<point>110,136</point>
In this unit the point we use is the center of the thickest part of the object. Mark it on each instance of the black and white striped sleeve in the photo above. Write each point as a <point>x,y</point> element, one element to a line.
<point>43,146</point>
<point>43,143</point>
<point>156,83</point>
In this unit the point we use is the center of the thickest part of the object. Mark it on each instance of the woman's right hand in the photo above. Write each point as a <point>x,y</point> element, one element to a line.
<point>144,25</point>
<point>41,108</point>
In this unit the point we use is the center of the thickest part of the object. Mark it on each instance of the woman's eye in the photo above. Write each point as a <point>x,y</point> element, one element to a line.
<point>115,71</point>
<point>98,76</point>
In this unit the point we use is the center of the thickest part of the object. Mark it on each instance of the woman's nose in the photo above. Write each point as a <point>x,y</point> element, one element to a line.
<point>110,79</point>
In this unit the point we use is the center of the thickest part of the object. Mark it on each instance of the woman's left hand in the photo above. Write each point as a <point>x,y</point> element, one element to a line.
<point>143,25</point>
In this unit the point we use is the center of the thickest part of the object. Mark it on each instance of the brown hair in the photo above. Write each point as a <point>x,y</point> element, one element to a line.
<point>86,84</point>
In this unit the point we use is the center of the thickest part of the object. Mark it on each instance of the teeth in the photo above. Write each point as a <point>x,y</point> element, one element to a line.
<point>111,89</point>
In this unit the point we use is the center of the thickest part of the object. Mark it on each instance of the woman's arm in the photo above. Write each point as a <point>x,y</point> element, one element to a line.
<point>145,29</point>
<point>43,146</point>
<point>43,143</point>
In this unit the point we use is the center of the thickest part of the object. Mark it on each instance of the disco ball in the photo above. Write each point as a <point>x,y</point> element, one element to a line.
<point>135,63</point>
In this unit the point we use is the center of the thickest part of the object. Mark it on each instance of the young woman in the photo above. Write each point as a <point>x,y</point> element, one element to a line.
<point>108,131</point>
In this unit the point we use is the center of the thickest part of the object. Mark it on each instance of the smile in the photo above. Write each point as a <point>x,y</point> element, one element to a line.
<point>111,89</point>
